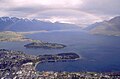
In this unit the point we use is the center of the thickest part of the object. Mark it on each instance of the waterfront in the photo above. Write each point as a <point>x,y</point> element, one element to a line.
<point>18,65</point>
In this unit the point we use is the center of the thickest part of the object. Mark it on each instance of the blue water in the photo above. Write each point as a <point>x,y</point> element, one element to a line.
<point>99,53</point>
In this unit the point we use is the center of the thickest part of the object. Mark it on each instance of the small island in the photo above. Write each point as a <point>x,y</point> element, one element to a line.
<point>45,45</point>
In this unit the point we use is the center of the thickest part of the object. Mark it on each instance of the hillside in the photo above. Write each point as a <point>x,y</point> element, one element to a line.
<point>13,36</point>
<point>110,27</point>
<point>22,25</point>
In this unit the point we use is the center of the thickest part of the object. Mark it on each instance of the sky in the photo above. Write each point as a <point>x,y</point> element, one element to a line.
<point>80,12</point>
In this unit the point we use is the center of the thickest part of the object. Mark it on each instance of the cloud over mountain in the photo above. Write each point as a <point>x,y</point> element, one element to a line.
<point>80,12</point>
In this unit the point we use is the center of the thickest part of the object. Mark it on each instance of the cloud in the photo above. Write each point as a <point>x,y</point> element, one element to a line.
<point>80,12</point>
<point>110,7</point>
<point>68,15</point>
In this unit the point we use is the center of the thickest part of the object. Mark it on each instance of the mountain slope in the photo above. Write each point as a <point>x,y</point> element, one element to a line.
<point>111,27</point>
<point>16,24</point>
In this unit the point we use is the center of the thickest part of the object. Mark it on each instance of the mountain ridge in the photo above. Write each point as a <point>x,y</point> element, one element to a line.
<point>110,27</point>
<point>20,24</point>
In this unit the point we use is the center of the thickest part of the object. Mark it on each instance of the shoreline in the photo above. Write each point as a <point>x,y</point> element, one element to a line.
<point>35,64</point>
<point>64,60</point>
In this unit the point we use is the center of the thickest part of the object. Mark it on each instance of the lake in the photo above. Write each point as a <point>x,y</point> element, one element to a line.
<point>99,53</point>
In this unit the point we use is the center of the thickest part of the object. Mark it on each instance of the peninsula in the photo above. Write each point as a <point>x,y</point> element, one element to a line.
<point>13,36</point>
<point>58,57</point>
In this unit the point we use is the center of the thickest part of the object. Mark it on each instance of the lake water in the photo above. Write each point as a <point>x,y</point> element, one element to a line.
<point>99,53</point>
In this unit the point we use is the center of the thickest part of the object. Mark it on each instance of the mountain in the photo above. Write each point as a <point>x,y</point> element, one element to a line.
<point>110,27</point>
<point>22,25</point>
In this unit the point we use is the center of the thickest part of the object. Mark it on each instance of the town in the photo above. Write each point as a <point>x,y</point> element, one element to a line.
<point>18,65</point>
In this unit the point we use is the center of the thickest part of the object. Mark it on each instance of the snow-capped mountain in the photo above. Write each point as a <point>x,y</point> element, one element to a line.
<point>20,24</point>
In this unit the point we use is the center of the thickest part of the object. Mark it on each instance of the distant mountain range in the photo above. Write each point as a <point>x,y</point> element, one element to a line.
<point>22,25</point>
<point>110,27</point>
